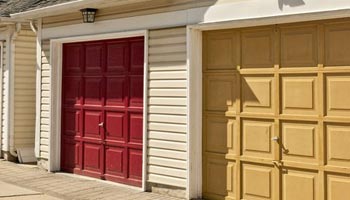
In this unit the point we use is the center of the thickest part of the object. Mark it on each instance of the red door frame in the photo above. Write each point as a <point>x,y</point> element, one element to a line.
<point>78,166</point>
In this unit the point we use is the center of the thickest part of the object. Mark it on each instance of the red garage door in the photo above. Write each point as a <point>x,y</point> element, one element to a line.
<point>102,108</point>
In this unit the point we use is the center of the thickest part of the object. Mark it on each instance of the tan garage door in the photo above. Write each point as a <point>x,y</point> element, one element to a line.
<point>276,115</point>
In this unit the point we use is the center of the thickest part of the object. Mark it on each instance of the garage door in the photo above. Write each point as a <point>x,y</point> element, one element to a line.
<point>102,106</point>
<point>276,115</point>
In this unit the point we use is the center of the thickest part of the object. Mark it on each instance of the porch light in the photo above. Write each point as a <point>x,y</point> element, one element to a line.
<point>88,15</point>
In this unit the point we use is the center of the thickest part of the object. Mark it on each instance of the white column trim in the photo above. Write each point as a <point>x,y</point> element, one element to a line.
<point>194,113</point>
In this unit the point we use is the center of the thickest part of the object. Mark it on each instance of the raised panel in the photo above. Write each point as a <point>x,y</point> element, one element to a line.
<point>72,94</point>
<point>135,164</point>
<point>220,92</point>
<point>338,187</point>
<point>231,179</point>
<point>299,141</point>
<point>338,99</point>
<point>258,48</point>
<point>231,136</point>
<point>337,44</point>
<point>115,91</point>
<point>256,138</point>
<point>71,120</point>
<point>257,94</point>
<point>117,56</point>
<point>115,126</point>
<point>92,119</point>
<point>136,56</point>
<point>297,185</point>
<point>92,157</point>
<point>221,50</point>
<point>93,92</point>
<point>299,46</point>
<point>70,154</point>
<point>135,127</point>
<point>136,91</point>
<point>94,57</point>
<point>257,182</point>
<point>338,145</point>
<point>299,95</point>
<point>215,173</point>
<point>215,133</point>
<point>115,161</point>
<point>73,54</point>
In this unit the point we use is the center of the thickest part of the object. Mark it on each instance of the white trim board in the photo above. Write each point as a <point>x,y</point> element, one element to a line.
<point>56,92</point>
<point>194,113</point>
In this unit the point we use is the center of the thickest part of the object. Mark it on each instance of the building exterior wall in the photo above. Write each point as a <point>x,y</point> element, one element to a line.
<point>45,100</point>
<point>24,89</point>
<point>167,103</point>
<point>167,142</point>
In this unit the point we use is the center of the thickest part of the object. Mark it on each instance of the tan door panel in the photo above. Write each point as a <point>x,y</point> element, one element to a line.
<point>276,112</point>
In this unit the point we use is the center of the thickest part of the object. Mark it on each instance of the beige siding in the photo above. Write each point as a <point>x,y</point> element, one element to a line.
<point>167,119</point>
<point>4,102</point>
<point>45,100</point>
<point>24,89</point>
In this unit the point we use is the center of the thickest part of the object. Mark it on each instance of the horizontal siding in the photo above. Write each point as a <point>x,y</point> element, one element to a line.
<point>167,107</point>
<point>45,100</point>
<point>24,89</point>
<point>4,102</point>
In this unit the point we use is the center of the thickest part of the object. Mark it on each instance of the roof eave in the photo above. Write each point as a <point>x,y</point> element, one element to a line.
<point>66,8</point>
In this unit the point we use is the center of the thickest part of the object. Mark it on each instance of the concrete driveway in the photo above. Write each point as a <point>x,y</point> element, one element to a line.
<point>30,182</point>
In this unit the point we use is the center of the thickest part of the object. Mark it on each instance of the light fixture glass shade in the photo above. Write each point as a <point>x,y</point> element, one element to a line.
<point>88,15</point>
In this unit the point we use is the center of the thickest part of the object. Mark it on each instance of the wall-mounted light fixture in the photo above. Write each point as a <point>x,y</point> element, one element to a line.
<point>88,15</point>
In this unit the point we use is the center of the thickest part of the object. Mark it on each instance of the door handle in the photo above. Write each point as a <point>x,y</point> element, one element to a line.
<point>275,139</point>
<point>101,124</point>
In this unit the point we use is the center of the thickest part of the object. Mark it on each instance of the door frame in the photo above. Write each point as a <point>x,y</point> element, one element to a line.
<point>56,57</point>
<point>195,85</point>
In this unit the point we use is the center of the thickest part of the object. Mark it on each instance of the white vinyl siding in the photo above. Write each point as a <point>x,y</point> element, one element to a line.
<point>167,109</point>
<point>45,100</point>
<point>4,102</point>
<point>24,89</point>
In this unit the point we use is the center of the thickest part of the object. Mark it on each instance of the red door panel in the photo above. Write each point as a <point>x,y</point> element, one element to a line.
<point>136,91</point>
<point>94,57</point>
<point>115,162</point>
<point>137,61</point>
<point>73,54</point>
<point>118,56</point>
<point>71,119</point>
<point>93,93</point>
<point>135,128</point>
<point>102,109</point>
<point>116,91</point>
<point>72,91</point>
<point>135,170</point>
<point>115,126</point>
<point>92,158</point>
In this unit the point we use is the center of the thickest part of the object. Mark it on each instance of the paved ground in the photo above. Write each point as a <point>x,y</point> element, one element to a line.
<point>24,182</point>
